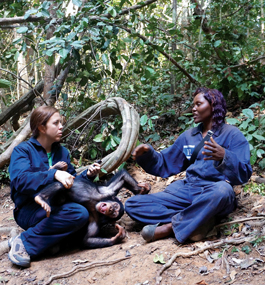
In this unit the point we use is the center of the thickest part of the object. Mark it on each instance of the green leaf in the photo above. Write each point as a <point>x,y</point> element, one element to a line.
<point>77,44</point>
<point>96,179</point>
<point>98,138</point>
<point>143,120</point>
<point>159,259</point>
<point>248,113</point>
<point>262,164</point>
<point>217,43</point>
<point>253,159</point>
<point>246,249</point>
<point>93,153</point>
<point>22,30</point>
<point>232,121</point>
<point>30,12</point>
<point>150,124</point>
<point>78,3</point>
<point>258,137</point>
<point>105,59</point>
<point>5,83</point>
<point>112,11</point>
<point>260,152</point>
<point>63,52</point>
<point>112,141</point>
<point>122,3</point>
<point>45,13</point>
<point>104,170</point>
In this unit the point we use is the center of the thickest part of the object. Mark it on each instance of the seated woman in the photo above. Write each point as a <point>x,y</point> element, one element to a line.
<point>30,171</point>
<point>207,191</point>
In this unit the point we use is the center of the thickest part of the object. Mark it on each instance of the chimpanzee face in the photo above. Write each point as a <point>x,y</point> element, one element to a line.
<point>108,208</point>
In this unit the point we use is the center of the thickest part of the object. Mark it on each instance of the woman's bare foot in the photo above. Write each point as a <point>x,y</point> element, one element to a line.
<point>155,232</point>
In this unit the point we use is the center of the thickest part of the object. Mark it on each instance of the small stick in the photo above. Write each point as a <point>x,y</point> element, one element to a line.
<point>239,221</point>
<point>84,267</point>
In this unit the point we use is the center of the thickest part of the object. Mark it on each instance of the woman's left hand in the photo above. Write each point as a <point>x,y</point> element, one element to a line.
<point>93,169</point>
<point>217,152</point>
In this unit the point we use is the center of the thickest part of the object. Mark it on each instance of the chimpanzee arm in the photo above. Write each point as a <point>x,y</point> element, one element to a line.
<point>98,242</point>
<point>120,180</point>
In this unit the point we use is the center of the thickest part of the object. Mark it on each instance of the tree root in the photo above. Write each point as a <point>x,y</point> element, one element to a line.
<point>130,129</point>
<point>12,232</point>
<point>84,267</point>
<point>200,250</point>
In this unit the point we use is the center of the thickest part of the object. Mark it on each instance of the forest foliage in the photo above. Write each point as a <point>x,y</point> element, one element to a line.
<point>154,54</point>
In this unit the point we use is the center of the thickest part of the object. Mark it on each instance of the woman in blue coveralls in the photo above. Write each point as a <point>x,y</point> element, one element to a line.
<point>206,193</point>
<point>31,169</point>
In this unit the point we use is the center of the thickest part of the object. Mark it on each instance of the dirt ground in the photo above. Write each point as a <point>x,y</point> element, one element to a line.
<point>132,262</point>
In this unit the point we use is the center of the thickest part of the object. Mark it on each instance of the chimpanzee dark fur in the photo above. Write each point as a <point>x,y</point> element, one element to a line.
<point>88,194</point>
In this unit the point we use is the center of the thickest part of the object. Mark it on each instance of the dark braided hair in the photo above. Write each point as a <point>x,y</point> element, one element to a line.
<point>217,101</point>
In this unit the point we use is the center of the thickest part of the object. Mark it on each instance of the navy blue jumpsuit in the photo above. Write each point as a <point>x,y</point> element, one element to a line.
<point>29,173</point>
<point>207,189</point>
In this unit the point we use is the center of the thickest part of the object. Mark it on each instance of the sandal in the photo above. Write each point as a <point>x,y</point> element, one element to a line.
<point>148,232</point>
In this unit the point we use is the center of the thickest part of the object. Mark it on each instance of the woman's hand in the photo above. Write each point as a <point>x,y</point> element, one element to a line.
<point>217,152</point>
<point>65,178</point>
<point>140,150</point>
<point>93,169</point>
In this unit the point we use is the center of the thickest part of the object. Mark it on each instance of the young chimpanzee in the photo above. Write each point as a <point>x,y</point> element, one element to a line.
<point>100,200</point>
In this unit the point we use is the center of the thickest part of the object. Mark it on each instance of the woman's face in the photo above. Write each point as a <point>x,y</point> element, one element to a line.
<point>202,110</point>
<point>54,127</point>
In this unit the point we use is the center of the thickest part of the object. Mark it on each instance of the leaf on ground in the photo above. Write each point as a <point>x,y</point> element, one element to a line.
<point>202,282</point>
<point>159,259</point>
<point>233,275</point>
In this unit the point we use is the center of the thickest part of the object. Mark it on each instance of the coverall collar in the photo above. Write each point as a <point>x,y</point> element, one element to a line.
<point>36,142</point>
<point>199,129</point>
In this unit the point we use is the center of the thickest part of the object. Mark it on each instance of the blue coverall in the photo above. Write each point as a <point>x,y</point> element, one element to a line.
<point>29,173</point>
<point>206,191</point>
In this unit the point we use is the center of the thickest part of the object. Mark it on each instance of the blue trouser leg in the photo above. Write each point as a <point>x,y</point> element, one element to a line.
<point>42,232</point>
<point>216,199</point>
<point>186,206</point>
<point>157,207</point>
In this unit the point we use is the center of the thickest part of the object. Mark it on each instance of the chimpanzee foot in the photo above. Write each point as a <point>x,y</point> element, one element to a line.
<point>145,188</point>
<point>44,205</point>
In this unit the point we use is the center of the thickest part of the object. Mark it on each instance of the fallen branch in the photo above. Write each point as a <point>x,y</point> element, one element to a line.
<point>257,179</point>
<point>82,267</point>
<point>200,250</point>
<point>239,221</point>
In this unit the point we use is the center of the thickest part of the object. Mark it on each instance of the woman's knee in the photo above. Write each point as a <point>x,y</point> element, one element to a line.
<point>224,190</point>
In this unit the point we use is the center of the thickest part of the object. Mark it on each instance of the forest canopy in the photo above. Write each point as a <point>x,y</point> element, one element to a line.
<point>153,54</point>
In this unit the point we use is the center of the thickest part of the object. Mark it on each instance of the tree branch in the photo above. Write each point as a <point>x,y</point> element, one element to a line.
<point>172,60</point>
<point>21,103</point>
<point>19,20</point>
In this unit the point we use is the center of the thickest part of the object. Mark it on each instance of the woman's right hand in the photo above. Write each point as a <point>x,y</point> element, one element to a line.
<point>65,178</point>
<point>140,150</point>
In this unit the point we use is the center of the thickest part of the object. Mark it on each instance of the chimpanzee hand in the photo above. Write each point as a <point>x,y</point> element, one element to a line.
<point>140,150</point>
<point>60,165</point>
<point>145,188</point>
<point>93,169</point>
<point>65,178</point>
<point>217,152</point>
<point>120,235</point>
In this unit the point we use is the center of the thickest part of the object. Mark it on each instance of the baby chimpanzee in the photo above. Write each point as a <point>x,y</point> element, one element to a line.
<point>100,200</point>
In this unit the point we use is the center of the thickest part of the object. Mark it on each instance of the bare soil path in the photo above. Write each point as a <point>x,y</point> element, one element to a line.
<point>229,264</point>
